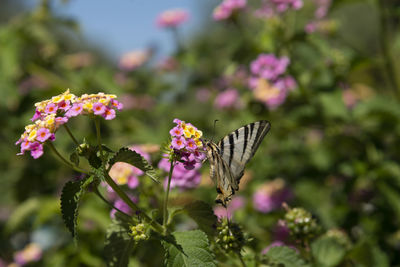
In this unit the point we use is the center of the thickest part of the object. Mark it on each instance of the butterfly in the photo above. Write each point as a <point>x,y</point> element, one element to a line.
<point>229,157</point>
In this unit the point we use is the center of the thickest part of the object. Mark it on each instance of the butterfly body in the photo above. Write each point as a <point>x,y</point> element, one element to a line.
<point>229,157</point>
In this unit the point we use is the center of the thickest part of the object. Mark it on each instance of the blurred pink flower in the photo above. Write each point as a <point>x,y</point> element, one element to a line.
<point>273,244</point>
<point>168,64</point>
<point>227,8</point>
<point>270,8</point>
<point>203,94</point>
<point>31,253</point>
<point>228,99</point>
<point>181,176</point>
<point>271,195</point>
<point>141,102</point>
<point>122,206</point>
<point>134,59</point>
<point>172,18</point>
<point>268,66</point>
<point>236,203</point>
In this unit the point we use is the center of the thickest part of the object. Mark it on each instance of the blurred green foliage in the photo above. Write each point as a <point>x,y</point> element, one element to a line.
<point>334,141</point>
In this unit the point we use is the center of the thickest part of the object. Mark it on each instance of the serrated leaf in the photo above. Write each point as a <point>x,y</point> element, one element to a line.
<point>132,157</point>
<point>196,250</point>
<point>118,245</point>
<point>203,215</point>
<point>70,196</point>
<point>284,255</point>
<point>327,251</point>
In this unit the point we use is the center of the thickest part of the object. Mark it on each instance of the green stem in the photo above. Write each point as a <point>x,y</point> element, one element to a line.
<point>64,160</point>
<point>165,213</point>
<point>71,135</point>
<point>385,41</point>
<point>241,259</point>
<point>97,192</point>
<point>118,190</point>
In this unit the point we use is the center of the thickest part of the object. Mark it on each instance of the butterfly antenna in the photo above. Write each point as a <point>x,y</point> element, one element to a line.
<point>215,123</point>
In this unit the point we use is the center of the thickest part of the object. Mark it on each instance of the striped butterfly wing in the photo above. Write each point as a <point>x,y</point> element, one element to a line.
<point>228,158</point>
<point>238,147</point>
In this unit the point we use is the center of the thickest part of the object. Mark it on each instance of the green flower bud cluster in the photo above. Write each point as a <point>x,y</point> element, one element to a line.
<point>138,232</point>
<point>300,223</point>
<point>230,236</point>
<point>341,237</point>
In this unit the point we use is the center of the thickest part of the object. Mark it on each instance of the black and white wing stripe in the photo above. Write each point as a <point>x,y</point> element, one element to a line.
<point>238,147</point>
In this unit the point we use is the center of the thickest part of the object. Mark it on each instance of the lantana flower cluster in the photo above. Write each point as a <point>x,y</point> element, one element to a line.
<point>186,143</point>
<point>172,18</point>
<point>182,178</point>
<point>268,83</point>
<point>270,8</point>
<point>31,253</point>
<point>50,114</point>
<point>227,8</point>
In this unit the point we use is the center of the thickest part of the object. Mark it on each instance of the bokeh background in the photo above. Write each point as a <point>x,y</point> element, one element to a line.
<point>324,73</point>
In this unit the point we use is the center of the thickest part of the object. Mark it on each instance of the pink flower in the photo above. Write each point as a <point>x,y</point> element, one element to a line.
<point>178,142</point>
<point>64,105</point>
<point>99,108</point>
<point>177,121</point>
<point>36,150</point>
<point>122,206</point>
<point>172,18</point>
<point>75,110</point>
<point>268,66</point>
<point>30,253</point>
<point>227,99</point>
<point>176,131</point>
<point>61,120</point>
<point>227,8</point>
<point>181,176</point>
<point>237,203</point>
<point>109,114</point>
<point>271,195</point>
<point>37,115</point>
<point>134,59</point>
<point>203,94</point>
<point>51,108</point>
<point>43,134</point>
<point>25,145</point>
<point>191,144</point>
<point>118,105</point>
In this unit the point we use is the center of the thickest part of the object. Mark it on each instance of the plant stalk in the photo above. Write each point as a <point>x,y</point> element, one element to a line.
<point>165,213</point>
<point>64,160</point>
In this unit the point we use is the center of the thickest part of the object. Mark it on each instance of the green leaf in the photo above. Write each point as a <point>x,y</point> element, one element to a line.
<point>70,196</point>
<point>284,255</point>
<point>332,105</point>
<point>196,250</point>
<point>203,215</point>
<point>328,251</point>
<point>132,157</point>
<point>392,197</point>
<point>118,246</point>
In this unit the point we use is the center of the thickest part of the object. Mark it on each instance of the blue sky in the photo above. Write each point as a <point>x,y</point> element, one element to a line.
<point>124,25</point>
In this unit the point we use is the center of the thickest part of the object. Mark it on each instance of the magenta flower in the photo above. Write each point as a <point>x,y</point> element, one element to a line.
<point>64,105</point>
<point>118,105</point>
<point>25,145</point>
<point>268,66</point>
<point>228,99</point>
<point>237,203</point>
<point>203,94</point>
<point>61,120</point>
<point>99,109</point>
<point>75,110</point>
<point>172,18</point>
<point>51,108</point>
<point>271,195</point>
<point>43,134</point>
<point>177,121</point>
<point>227,8</point>
<point>122,206</point>
<point>191,144</point>
<point>178,143</point>
<point>109,114</point>
<point>176,131</point>
<point>36,150</point>
<point>181,176</point>
<point>37,115</point>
